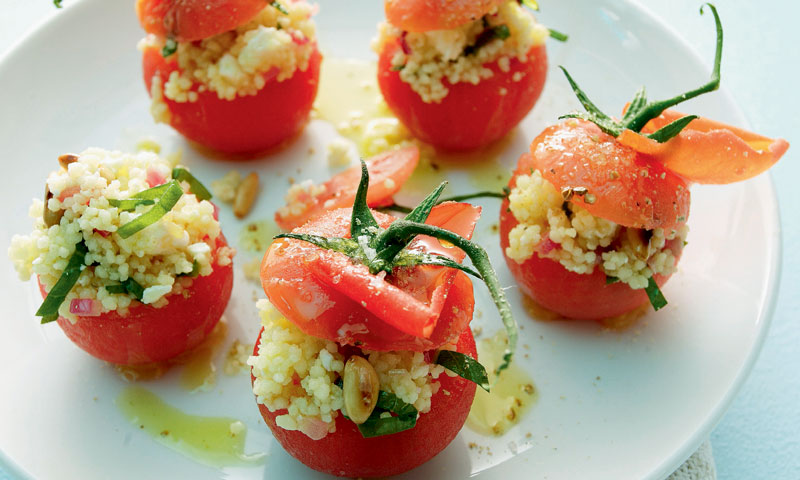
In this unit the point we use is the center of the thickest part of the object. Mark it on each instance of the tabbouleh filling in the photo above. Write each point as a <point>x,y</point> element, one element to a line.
<point>461,54</point>
<point>566,233</point>
<point>159,258</point>
<point>297,373</point>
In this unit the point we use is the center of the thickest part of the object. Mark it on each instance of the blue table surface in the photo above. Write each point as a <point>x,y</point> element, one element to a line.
<point>759,437</point>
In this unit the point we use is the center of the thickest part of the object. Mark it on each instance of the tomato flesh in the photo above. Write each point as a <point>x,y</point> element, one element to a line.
<point>388,172</point>
<point>426,15</point>
<point>327,296</point>
<point>628,188</point>
<point>147,334</point>
<point>190,20</point>
<point>246,124</point>
<point>470,116</point>
<point>346,453</point>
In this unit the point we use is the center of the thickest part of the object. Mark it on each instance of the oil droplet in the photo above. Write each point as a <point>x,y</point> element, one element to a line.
<point>212,441</point>
<point>512,394</point>
<point>257,236</point>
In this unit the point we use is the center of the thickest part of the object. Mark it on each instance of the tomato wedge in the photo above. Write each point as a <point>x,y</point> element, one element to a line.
<point>147,334</point>
<point>707,151</point>
<point>470,116</point>
<point>328,296</point>
<point>190,20</point>
<point>426,15</point>
<point>628,188</point>
<point>347,453</point>
<point>246,124</point>
<point>388,171</point>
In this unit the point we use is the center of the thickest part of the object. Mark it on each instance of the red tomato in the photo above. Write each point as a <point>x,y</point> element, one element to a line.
<point>346,453</point>
<point>387,171</point>
<point>573,295</point>
<point>246,124</point>
<point>630,188</point>
<point>470,116</point>
<point>426,15</point>
<point>190,20</point>
<point>147,334</point>
<point>328,296</point>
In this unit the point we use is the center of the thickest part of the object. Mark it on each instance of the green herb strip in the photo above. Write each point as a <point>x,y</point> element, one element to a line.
<point>277,5</point>
<point>375,426</point>
<point>169,48</point>
<point>165,203</point>
<point>532,4</point>
<point>130,204</point>
<point>556,35</point>
<point>75,265</point>
<point>198,189</point>
<point>611,280</point>
<point>498,32</point>
<point>195,270</point>
<point>464,366</point>
<point>129,286</point>
<point>657,299</point>
<point>57,3</point>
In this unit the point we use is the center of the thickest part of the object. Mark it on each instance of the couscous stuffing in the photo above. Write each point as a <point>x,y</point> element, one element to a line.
<point>162,260</point>
<point>298,373</point>
<point>562,231</point>
<point>429,59</point>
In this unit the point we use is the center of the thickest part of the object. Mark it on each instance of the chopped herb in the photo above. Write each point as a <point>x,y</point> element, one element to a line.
<point>500,32</point>
<point>198,189</point>
<point>55,297</point>
<point>532,4</point>
<point>57,3</point>
<point>279,7</point>
<point>129,286</point>
<point>130,204</point>
<point>610,280</point>
<point>376,425</point>
<point>464,366</point>
<point>170,47</point>
<point>397,68</point>
<point>556,35</point>
<point>195,271</point>
<point>640,111</point>
<point>657,299</point>
<point>165,203</point>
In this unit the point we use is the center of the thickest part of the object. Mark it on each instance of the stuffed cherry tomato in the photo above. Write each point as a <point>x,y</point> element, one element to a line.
<point>129,256</point>
<point>239,76</point>
<point>460,75</point>
<point>596,217</point>
<point>365,330</point>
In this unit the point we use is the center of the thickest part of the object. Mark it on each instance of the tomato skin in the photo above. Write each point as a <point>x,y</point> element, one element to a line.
<point>470,116</point>
<point>426,15</point>
<point>190,20</point>
<point>630,188</point>
<point>327,296</point>
<point>346,453</point>
<point>572,295</point>
<point>248,124</point>
<point>149,334</point>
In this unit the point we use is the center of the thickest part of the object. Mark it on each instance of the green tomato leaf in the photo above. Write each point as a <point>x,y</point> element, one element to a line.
<point>667,132</point>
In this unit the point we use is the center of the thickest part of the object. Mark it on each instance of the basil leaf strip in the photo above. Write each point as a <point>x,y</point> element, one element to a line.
<point>130,204</point>
<point>657,299</point>
<point>556,35</point>
<point>57,3</point>
<point>611,280</point>
<point>375,426</point>
<point>165,203</point>
<point>464,366</point>
<point>198,189</point>
<point>277,5</point>
<point>129,286</point>
<point>170,47</point>
<point>55,297</point>
<point>195,270</point>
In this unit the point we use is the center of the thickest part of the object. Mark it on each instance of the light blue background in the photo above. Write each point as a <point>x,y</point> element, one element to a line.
<point>759,437</point>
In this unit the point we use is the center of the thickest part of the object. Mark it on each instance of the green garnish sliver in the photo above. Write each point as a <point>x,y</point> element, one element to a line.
<point>657,299</point>
<point>464,366</point>
<point>277,5</point>
<point>198,189</point>
<point>556,35</point>
<point>129,286</point>
<point>376,426</point>
<point>56,296</point>
<point>170,47</point>
<point>165,203</point>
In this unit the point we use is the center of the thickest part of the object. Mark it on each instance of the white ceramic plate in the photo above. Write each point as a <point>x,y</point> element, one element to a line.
<point>612,405</point>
